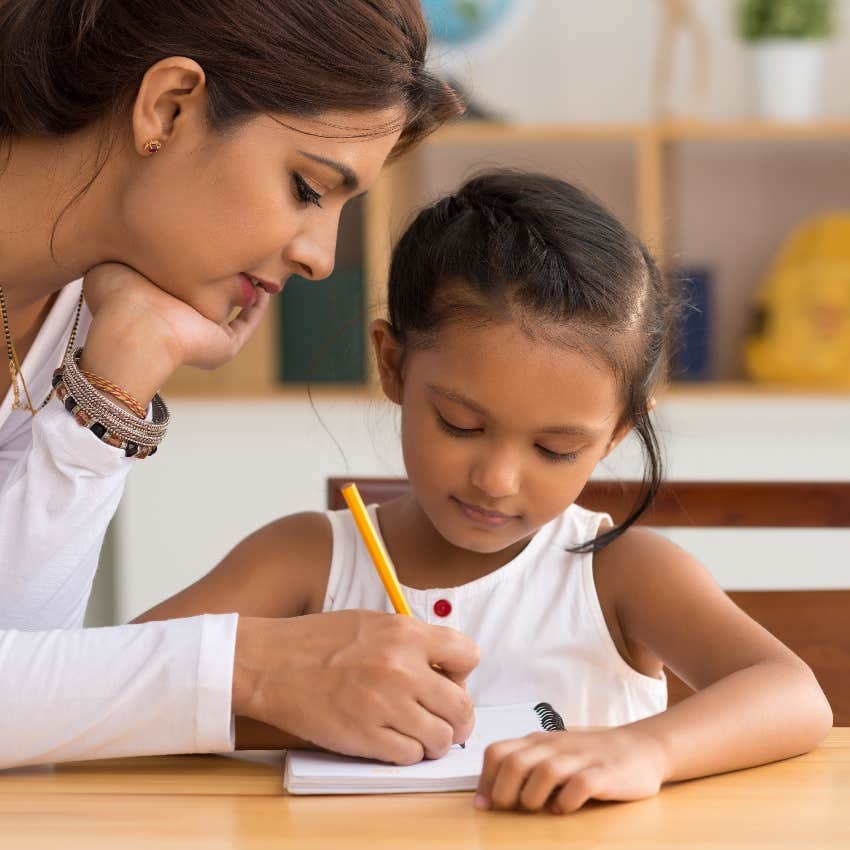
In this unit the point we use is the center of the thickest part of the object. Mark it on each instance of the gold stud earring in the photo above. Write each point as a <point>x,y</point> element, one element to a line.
<point>152,146</point>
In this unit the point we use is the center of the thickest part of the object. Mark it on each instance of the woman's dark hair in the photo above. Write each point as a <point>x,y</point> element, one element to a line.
<point>67,63</point>
<point>532,248</point>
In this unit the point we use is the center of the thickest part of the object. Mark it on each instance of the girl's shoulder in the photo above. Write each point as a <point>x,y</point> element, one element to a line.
<point>285,562</point>
<point>632,575</point>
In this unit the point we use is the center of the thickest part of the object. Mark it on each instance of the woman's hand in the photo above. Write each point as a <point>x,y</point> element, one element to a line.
<point>140,334</point>
<point>561,771</point>
<point>357,682</point>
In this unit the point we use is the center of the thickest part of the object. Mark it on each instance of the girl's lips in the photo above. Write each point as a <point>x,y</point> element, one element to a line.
<point>492,519</point>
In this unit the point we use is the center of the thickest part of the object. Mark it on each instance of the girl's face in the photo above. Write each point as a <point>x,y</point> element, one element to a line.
<point>500,433</point>
<point>263,200</point>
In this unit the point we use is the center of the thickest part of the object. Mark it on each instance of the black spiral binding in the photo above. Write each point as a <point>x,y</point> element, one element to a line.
<point>550,720</point>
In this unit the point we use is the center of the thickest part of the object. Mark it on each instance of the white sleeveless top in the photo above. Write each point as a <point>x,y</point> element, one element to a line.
<point>537,621</point>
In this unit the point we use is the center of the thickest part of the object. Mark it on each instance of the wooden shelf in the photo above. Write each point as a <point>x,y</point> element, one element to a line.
<point>748,390</point>
<point>653,151</point>
<point>483,132</point>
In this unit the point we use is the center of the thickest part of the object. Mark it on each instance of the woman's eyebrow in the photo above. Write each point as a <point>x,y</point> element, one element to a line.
<point>349,178</point>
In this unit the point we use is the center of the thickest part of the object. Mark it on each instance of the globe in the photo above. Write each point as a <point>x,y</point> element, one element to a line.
<point>456,22</point>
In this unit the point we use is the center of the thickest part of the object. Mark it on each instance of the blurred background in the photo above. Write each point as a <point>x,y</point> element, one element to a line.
<point>718,130</point>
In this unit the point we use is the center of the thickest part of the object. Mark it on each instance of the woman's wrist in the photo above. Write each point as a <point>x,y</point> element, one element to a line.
<point>245,678</point>
<point>129,355</point>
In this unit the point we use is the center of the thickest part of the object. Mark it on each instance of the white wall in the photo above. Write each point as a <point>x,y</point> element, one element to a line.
<point>226,469</point>
<point>595,60</point>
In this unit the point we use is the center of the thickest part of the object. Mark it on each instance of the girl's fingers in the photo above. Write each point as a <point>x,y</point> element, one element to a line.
<point>546,777</point>
<point>514,770</point>
<point>578,789</point>
<point>494,757</point>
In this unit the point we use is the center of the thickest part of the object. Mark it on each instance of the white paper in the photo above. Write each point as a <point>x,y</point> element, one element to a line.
<point>309,772</point>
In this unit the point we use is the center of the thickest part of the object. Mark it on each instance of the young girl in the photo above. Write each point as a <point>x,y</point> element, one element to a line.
<point>525,340</point>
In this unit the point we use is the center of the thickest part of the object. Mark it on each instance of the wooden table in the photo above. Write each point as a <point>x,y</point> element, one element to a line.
<point>214,802</point>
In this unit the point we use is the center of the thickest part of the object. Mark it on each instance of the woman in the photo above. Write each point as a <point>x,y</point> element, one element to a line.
<point>184,161</point>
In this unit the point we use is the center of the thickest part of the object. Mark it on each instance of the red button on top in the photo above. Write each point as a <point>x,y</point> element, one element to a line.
<point>442,607</point>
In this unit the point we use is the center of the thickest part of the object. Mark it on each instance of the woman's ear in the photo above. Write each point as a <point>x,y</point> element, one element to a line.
<point>172,92</point>
<point>388,355</point>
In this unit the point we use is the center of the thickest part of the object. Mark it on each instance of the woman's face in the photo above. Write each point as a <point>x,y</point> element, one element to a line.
<point>263,200</point>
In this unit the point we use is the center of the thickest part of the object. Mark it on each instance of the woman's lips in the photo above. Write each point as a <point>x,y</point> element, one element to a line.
<point>254,283</point>
<point>492,519</point>
<point>249,293</point>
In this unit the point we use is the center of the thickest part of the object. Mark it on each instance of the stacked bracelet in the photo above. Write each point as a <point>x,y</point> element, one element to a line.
<point>115,391</point>
<point>105,419</point>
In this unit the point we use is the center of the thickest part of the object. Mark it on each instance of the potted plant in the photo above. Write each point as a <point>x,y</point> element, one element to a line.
<point>788,40</point>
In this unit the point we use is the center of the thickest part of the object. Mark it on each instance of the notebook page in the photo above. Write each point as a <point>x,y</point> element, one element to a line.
<point>310,772</point>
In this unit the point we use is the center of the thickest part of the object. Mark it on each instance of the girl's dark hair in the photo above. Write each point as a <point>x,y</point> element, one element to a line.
<point>67,63</point>
<point>521,246</point>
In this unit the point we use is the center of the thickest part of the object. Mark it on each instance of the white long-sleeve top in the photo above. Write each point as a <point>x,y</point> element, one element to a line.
<point>68,692</point>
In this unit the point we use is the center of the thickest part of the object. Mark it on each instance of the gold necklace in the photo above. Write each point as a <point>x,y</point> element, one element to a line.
<point>15,363</point>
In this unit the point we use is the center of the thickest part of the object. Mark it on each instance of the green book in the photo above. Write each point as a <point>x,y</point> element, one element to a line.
<point>323,333</point>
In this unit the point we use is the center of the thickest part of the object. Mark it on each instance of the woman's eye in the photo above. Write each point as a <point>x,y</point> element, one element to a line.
<point>304,192</point>
<point>557,457</point>
<point>454,430</point>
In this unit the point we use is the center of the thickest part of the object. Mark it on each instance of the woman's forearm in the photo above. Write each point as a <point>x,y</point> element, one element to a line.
<point>146,689</point>
<point>770,711</point>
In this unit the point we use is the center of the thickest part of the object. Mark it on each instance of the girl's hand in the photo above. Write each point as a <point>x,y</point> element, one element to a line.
<point>140,335</point>
<point>563,770</point>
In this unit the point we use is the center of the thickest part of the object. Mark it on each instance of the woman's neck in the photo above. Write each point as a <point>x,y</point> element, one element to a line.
<point>39,179</point>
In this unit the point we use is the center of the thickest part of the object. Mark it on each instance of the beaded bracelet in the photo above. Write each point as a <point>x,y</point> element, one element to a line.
<point>105,419</point>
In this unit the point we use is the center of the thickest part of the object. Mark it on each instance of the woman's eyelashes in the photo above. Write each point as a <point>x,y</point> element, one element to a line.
<point>304,192</point>
<point>547,454</point>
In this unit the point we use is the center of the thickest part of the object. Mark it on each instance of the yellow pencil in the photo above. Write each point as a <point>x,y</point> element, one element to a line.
<point>379,555</point>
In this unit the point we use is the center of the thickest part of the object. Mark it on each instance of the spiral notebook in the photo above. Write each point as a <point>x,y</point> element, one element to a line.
<point>310,772</point>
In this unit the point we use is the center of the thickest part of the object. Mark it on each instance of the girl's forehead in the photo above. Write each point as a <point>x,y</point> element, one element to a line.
<point>515,375</point>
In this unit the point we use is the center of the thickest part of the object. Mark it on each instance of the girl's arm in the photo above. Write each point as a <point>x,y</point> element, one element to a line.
<point>756,701</point>
<point>281,570</point>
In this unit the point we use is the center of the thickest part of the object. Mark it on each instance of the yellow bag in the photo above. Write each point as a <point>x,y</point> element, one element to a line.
<point>802,330</point>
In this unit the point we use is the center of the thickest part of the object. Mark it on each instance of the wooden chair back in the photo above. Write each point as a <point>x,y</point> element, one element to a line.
<point>815,624</point>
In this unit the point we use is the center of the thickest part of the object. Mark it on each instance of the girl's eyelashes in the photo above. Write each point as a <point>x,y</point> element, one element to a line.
<point>453,430</point>
<point>548,454</point>
<point>557,457</point>
<point>304,192</point>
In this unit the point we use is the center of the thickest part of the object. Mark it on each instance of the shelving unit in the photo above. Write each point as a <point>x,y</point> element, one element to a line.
<point>722,195</point>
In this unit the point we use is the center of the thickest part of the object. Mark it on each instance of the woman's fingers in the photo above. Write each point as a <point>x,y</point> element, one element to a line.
<point>244,325</point>
<point>392,746</point>
<point>442,698</point>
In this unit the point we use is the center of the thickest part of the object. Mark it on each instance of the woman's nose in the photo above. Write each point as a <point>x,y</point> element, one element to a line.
<point>311,252</point>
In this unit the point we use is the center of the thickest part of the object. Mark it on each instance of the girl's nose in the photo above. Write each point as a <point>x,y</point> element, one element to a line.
<point>497,474</point>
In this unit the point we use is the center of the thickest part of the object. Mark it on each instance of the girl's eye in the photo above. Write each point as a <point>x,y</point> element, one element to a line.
<point>304,192</point>
<point>557,457</point>
<point>454,431</point>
